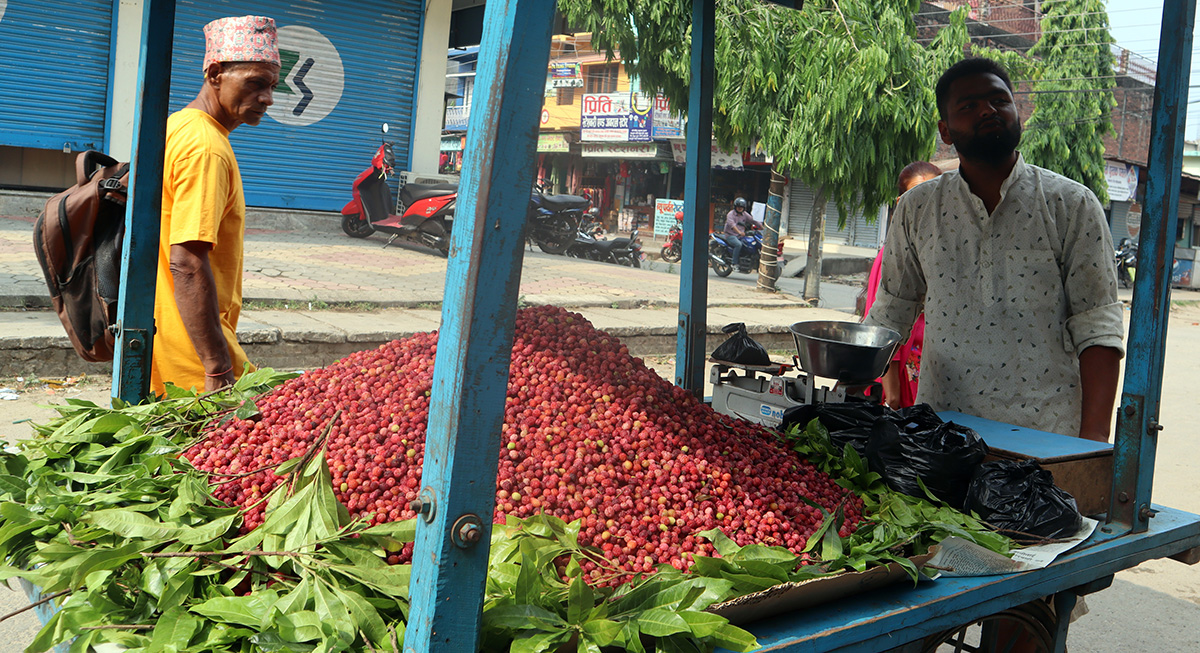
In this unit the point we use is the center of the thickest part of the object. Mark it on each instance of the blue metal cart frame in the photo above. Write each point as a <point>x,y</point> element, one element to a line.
<point>477,329</point>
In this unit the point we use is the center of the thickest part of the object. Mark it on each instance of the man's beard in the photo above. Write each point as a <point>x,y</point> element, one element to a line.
<point>992,147</point>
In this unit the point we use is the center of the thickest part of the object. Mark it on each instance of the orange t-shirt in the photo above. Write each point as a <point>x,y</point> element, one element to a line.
<point>202,201</point>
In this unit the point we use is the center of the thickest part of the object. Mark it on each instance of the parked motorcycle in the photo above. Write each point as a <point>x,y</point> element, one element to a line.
<point>554,220</point>
<point>590,245</point>
<point>672,250</point>
<point>424,215</point>
<point>1126,258</point>
<point>720,254</point>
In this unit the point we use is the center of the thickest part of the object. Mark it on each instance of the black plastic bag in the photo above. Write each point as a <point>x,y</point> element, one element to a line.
<point>943,457</point>
<point>741,348</point>
<point>848,423</point>
<point>1020,498</point>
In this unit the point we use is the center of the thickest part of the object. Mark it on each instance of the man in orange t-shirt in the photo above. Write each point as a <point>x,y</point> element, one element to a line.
<point>199,286</point>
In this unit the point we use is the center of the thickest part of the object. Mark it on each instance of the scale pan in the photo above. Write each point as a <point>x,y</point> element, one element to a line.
<point>849,352</point>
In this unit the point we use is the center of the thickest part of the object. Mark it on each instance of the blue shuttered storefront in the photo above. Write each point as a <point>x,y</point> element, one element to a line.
<point>347,68</point>
<point>56,73</point>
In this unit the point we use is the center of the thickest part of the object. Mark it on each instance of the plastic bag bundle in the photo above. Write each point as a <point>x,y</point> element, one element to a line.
<point>1020,498</point>
<point>943,456</point>
<point>740,348</point>
<point>848,423</point>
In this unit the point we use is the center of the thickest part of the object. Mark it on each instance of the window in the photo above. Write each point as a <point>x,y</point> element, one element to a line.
<point>566,96</point>
<point>602,79</point>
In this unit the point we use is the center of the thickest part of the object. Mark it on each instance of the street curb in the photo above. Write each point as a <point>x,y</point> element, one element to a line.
<point>306,340</point>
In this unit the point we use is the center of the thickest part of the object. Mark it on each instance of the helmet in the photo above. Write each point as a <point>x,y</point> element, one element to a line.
<point>741,201</point>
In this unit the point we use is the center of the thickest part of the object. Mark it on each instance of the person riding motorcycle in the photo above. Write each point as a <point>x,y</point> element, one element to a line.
<point>736,222</point>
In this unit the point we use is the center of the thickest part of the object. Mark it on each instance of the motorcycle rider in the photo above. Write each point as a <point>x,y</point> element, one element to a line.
<point>735,227</point>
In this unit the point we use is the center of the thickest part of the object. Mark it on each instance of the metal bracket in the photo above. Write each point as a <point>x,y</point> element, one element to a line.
<point>136,338</point>
<point>426,505</point>
<point>467,531</point>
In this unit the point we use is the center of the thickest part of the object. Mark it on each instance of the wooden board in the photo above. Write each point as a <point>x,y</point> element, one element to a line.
<point>1083,468</point>
<point>792,597</point>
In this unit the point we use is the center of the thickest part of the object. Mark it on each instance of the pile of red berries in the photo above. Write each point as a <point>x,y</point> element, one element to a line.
<point>590,433</point>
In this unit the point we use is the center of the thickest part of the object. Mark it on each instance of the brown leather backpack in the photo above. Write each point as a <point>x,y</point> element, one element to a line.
<point>78,240</point>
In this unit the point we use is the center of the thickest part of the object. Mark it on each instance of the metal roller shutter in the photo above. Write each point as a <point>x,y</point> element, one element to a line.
<point>56,73</point>
<point>347,69</point>
<point>865,233</point>
<point>800,206</point>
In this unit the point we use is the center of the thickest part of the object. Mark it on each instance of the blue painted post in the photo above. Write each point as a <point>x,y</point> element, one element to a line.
<point>693,277</point>
<point>1137,417</point>
<point>139,259</point>
<point>471,369</point>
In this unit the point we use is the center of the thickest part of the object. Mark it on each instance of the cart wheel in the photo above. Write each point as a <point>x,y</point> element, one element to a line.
<point>356,227</point>
<point>1027,628</point>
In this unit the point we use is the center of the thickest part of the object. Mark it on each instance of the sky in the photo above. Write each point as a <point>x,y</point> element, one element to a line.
<point>1136,26</point>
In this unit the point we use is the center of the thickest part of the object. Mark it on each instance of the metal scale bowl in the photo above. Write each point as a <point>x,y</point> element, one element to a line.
<point>853,355</point>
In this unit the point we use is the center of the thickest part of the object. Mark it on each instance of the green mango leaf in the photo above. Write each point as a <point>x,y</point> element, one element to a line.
<point>604,632</point>
<point>579,600</point>
<point>703,624</point>
<point>132,524</point>
<point>252,610</point>
<point>660,622</point>
<point>631,638</point>
<point>725,546</point>
<point>734,639</point>
<point>539,642</point>
<point>209,531</point>
<point>14,487</point>
<point>174,629</point>
<point>300,626</point>
<point>523,617</point>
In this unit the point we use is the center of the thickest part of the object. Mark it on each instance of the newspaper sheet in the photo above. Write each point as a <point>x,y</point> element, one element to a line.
<point>959,557</point>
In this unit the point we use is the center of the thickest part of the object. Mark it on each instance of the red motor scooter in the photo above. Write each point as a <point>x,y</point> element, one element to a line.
<point>424,215</point>
<point>672,250</point>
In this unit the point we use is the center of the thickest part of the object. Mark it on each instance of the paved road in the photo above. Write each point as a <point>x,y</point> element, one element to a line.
<point>329,266</point>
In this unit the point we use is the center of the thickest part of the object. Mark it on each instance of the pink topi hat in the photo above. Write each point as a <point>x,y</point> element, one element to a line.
<point>241,38</point>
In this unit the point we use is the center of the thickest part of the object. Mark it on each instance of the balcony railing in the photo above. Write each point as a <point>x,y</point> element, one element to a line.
<point>1012,16</point>
<point>457,117</point>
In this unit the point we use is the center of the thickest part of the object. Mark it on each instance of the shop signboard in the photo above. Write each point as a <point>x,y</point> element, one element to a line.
<point>666,124</point>
<point>553,142</point>
<point>620,150</point>
<point>615,117</point>
<point>664,215</point>
<point>720,158</point>
<point>565,75</point>
<point>1122,181</point>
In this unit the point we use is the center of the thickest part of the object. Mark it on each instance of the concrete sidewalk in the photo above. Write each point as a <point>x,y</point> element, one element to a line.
<point>32,343</point>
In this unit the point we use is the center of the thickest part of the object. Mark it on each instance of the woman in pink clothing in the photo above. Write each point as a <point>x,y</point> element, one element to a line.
<point>900,380</point>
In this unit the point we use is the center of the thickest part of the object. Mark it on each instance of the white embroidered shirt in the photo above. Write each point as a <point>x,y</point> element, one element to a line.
<point>1010,298</point>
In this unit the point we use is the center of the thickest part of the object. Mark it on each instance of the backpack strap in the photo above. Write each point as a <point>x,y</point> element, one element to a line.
<point>87,163</point>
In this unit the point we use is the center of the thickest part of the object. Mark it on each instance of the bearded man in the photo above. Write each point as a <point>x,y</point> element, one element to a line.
<point>199,287</point>
<point>1014,266</point>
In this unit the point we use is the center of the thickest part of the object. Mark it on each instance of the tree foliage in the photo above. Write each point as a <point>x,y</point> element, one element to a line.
<point>838,93</point>
<point>1073,96</point>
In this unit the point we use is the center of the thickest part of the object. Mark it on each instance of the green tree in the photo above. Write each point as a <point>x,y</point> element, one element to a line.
<point>839,94</point>
<point>1072,95</point>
